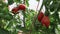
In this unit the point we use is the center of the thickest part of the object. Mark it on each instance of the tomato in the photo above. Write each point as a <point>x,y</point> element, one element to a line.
<point>22,7</point>
<point>15,10</point>
<point>45,21</point>
<point>40,16</point>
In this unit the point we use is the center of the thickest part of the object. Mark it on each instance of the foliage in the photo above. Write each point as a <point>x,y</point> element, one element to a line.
<point>11,24</point>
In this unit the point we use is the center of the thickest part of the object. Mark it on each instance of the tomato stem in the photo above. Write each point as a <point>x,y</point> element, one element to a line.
<point>38,5</point>
<point>35,17</point>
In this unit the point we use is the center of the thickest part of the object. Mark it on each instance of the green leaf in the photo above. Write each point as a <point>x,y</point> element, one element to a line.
<point>8,17</point>
<point>4,31</point>
<point>18,1</point>
<point>52,19</point>
<point>38,0</point>
<point>1,15</point>
<point>27,3</point>
<point>53,6</point>
<point>10,2</point>
<point>5,10</point>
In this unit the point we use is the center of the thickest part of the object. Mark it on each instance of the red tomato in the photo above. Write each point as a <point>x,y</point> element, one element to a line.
<point>40,16</point>
<point>45,21</point>
<point>22,7</point>
<point>15,10</point>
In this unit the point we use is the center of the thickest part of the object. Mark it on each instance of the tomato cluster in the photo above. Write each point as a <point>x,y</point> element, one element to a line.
<point>20,7</point>
<point>44,19</point>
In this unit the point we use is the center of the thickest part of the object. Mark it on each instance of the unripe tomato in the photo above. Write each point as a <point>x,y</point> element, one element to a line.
<point>22,7</point>
<point>40,16</point>
<point>15,10</point>
<point>45,21</point>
